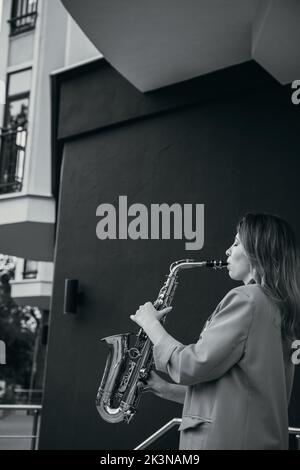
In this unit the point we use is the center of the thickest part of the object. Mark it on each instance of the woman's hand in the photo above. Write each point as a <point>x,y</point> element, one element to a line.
<point>147,315</point>
<point>164,389</point>
<point>155,384</point>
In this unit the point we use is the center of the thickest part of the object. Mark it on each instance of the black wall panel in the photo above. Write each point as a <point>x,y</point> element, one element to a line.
<point>234,153</point>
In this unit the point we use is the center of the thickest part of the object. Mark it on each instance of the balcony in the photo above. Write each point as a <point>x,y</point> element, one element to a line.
<point>12,157</point>
<point>23,209</point>
<point>32,283</point>
<point>24,14</point>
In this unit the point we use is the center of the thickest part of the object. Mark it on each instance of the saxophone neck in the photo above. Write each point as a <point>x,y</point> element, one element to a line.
<point>190,263</point>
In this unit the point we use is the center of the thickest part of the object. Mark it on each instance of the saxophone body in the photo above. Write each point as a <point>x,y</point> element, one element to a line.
<point>130,356</point>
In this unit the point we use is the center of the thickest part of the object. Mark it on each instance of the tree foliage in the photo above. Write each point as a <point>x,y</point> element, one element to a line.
<point>17,330</point>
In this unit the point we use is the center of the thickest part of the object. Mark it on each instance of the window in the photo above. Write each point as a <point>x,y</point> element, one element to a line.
<point>7,266</point>
<point>13,135</point>
<point>30,269</point>
<point>23,16</point>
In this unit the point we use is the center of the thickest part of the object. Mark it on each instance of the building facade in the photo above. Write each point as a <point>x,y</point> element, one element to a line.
<point>30,31</point>
<point>29,34</point>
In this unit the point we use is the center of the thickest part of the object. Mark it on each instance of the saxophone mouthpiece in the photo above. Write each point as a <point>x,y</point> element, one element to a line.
<point>216,264</point>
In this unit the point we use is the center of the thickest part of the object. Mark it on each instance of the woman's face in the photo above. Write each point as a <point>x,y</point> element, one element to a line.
<point>238,267</point>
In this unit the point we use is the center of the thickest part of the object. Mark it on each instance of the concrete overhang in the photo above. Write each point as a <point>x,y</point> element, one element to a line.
<point>162,42</point>
<point>32,292</point>
<point>27,227</point>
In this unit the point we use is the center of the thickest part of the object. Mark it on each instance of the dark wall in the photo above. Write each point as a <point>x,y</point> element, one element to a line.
<point>234,151</point>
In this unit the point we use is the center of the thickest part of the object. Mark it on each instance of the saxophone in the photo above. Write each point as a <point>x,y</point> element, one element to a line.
<point>130,356</point>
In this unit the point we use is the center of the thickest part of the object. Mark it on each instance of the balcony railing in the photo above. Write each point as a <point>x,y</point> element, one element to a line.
<point>24,14</point>
<point>12,157</point>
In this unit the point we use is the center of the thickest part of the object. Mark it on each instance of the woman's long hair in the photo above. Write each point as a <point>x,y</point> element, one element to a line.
<point>271,247</point>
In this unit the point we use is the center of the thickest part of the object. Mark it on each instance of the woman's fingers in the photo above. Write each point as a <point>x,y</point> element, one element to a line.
<point>163,312</point>
<point>144,387</point>
<point>148,312</point>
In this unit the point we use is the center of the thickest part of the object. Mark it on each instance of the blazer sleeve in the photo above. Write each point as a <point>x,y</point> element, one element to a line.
<point>220,346</point>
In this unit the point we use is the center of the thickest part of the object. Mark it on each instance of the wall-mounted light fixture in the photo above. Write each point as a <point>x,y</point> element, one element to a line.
<point>72,296</point>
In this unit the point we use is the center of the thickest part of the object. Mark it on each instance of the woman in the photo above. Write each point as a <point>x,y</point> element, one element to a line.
<point>236,381</point>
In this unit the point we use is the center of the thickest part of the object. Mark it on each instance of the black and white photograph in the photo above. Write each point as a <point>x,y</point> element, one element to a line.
<point>149,228</point>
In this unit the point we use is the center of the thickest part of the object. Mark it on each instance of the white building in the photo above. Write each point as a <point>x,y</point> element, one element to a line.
<point>36,38</point>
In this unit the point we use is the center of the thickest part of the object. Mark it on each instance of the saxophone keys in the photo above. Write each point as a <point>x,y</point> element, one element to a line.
<point>134,353</point>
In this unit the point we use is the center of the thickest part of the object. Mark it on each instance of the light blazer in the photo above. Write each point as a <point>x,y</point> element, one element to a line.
<point>239,376</point>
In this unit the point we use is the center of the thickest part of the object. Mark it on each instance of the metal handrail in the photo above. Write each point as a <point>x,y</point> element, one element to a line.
<point>21,407</point>
<point>176,421</point>
<point>36,409</point>
<point>159,433</point>
<point>294,431</point>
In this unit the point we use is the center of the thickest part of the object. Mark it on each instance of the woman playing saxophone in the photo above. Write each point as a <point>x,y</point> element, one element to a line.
<point>235,382</point>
